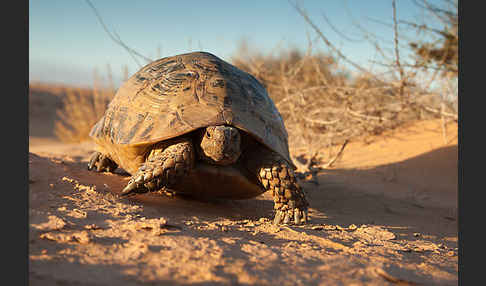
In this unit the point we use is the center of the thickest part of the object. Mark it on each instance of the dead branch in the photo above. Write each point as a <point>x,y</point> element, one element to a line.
<point>441,112</point>
<point>329,164</point>
<point>305,168</point>
<point>116,38</point>
<point>436,11</point>
<point>421,27</point>
<point>357,114</point>
<point>320,122</point>
<point>397,53</point>
<point>326,41</point>
<point>337,31</point>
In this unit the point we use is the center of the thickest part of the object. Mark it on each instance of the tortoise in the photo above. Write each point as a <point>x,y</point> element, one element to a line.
<point>195,124</point>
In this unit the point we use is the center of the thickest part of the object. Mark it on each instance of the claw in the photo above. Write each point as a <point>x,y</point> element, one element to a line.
<point>101,163</point>
<point>139,179</point>
<point>278,217</point>
<point>129,189</point>
<point>93,160</point>
<point>292,204</point>
<point>286,218</point>
<point>305,216</point>
<point>296,216</point>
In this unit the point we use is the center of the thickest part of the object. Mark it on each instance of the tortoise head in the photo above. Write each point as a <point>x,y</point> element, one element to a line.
<point>220,145</point>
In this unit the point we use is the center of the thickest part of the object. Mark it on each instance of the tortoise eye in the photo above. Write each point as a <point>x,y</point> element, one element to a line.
<point>208,135</point>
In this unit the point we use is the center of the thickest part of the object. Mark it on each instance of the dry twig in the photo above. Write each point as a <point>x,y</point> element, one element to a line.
<point>326,41</point>
<point>329,164</point>
<point>116,38</point>
<point>397,53</point>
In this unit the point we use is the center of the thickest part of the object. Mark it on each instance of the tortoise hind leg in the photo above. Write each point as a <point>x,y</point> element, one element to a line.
<point>101,162</point>
<point>277,175</point>
<point>162,169</point>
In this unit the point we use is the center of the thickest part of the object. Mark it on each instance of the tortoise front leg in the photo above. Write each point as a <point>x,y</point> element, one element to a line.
<point>276,175</point>
<point>164,169</point>
<point>101,162</point>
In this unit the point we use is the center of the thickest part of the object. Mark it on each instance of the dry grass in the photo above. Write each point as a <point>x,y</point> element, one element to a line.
<point>81,109</point>
<point>320,104</point>
<point>322,107</point>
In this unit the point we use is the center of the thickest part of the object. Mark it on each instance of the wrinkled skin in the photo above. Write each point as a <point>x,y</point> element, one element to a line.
<point>220,145</point>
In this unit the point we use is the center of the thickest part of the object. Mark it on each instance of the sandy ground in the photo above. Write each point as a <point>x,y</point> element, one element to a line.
<point>384,214</point>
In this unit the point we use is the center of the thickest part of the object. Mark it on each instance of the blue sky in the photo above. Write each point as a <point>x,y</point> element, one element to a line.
<point>67,43</point>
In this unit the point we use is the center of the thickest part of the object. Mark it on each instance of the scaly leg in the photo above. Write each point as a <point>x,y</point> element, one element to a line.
<point>102,163</point>
<point>162,169</point>
<point>277,175</point>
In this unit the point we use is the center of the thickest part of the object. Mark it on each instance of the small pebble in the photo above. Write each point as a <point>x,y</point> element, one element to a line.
<point>92,226</point>
<point>330,227</point>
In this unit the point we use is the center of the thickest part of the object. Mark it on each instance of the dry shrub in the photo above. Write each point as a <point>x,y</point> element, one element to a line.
<point>47,88</point>
<point>80,111</point>
<point>322,106</point>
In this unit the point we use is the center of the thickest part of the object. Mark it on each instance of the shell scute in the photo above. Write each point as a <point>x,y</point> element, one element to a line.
<point>176,95</point>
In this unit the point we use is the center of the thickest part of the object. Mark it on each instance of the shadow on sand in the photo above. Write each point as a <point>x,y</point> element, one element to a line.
<point>341,197</point>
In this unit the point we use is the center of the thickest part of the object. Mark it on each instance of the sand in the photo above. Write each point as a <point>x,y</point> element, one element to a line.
<point>384,214</point>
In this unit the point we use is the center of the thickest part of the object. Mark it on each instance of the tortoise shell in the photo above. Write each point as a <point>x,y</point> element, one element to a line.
<point>176,95</point>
